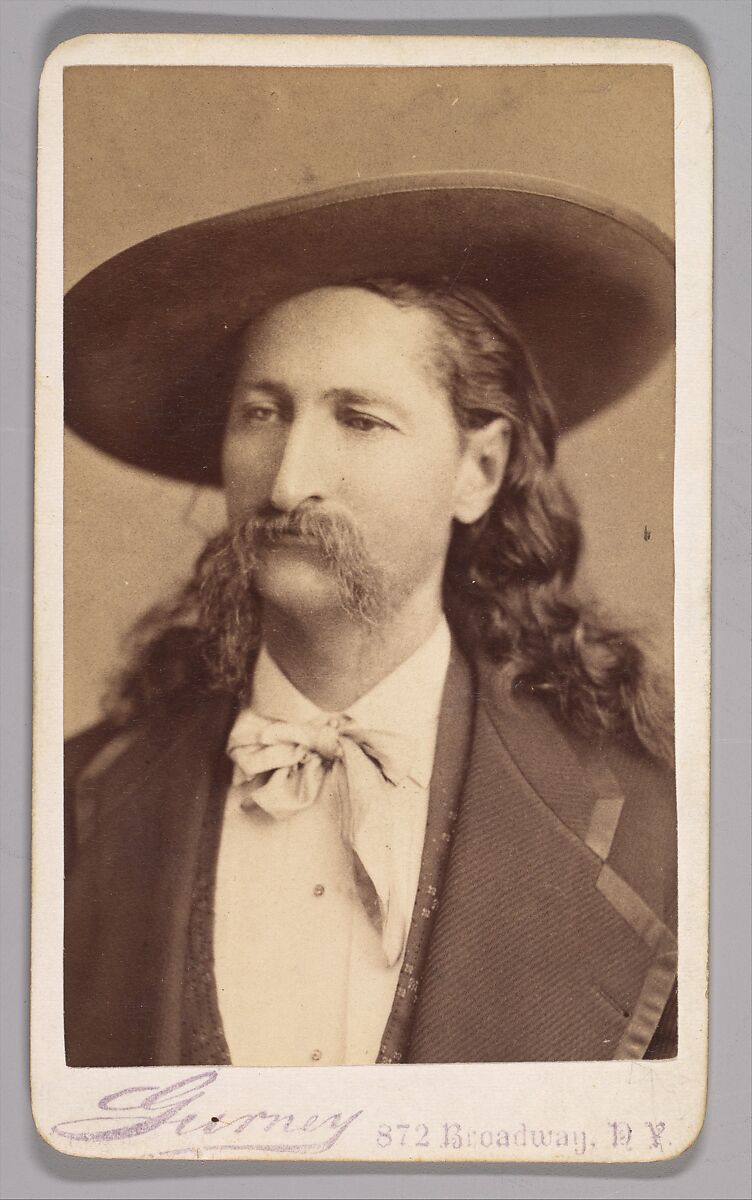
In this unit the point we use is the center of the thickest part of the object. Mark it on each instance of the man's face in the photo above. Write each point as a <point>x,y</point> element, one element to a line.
<point>338,406</point>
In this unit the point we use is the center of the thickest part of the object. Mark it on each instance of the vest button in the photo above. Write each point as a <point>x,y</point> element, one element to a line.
<point>319,889</point>
<point>315,1055</point>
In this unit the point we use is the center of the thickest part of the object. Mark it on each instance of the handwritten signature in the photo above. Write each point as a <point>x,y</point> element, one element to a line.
<point>136,1111</point>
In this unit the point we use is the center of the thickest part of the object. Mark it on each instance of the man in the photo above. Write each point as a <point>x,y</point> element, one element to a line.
<point>374,787</point>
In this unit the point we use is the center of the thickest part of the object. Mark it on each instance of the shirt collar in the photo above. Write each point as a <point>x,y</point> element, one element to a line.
<point>407,701</point>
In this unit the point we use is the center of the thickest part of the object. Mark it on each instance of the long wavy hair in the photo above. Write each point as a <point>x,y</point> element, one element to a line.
<point>508,576</point>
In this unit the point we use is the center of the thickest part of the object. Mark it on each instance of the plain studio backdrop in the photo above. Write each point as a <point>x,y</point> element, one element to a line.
<point>149,148</point>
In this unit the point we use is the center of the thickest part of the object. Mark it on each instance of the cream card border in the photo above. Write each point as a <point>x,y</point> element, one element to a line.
<point>382,1113</point>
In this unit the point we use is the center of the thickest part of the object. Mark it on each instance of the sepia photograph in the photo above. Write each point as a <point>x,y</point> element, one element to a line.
<point>370,575</point>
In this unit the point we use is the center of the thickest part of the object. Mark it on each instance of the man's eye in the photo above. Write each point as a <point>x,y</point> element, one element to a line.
<point>363,424</point>
<point>260,414</point>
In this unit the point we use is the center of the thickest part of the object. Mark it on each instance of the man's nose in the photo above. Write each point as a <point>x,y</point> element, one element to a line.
<point>301,471</point>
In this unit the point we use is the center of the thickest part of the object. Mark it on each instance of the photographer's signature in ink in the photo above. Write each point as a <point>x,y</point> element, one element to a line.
<point>182,1109</point>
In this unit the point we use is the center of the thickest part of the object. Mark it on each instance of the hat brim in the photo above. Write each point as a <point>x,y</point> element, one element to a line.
<point>148,333</point>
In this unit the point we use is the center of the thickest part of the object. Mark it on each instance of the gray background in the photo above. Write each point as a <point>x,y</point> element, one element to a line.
<point>719,30</point>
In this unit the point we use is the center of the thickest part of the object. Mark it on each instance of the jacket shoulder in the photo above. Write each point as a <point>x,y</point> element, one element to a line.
<point>102,762</point>
<point>86,755</point>
<point>90,752</point>
<point>613,795</point>
<point>81,749</point>
<point>644,847</point>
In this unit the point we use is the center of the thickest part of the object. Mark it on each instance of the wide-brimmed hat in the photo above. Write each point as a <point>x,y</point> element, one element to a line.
<point>148,333</point>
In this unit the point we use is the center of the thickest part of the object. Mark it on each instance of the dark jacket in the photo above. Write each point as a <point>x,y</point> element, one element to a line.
<point>554,936</point>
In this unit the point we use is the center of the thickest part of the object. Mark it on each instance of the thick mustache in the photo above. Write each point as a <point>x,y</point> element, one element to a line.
<point>339,542</point>
<point>331,533</point>
<point>228,608</point>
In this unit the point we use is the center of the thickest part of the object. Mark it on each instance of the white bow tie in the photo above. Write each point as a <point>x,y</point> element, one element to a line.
<point>282,767</point>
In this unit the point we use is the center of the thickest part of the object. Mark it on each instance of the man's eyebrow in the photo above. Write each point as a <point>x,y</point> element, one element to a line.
<point>283,395</point>
<point>355,396</point>
<point>277,390</point>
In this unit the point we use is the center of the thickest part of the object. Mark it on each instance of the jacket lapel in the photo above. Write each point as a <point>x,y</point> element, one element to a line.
<point>540,950</point>
<point>140,817</point>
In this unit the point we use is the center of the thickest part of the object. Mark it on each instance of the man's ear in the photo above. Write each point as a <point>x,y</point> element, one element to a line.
<point>481,470</point>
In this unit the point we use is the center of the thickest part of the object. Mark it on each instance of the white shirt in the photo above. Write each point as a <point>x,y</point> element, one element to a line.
<point>300,970</point>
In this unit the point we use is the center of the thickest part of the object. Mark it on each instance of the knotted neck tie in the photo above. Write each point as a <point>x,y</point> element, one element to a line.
<point>282,768</point>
